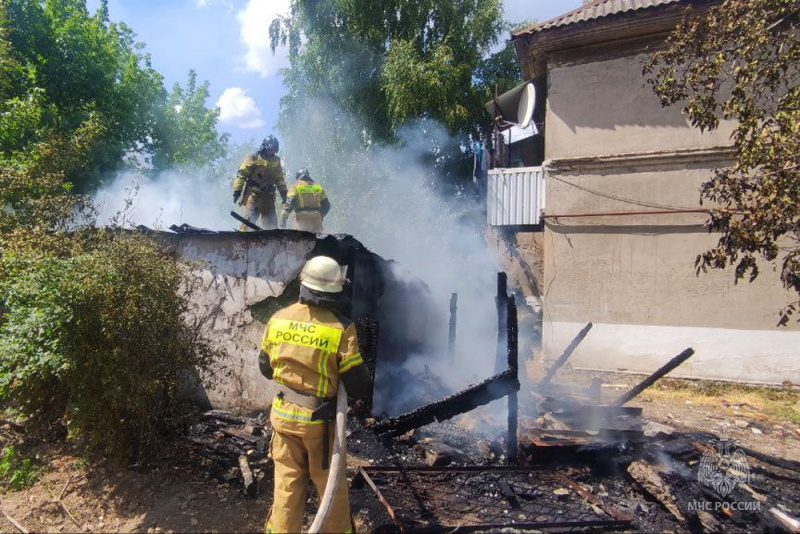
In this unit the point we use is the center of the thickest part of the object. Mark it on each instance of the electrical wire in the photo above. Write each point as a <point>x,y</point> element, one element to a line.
<point>622,199</point>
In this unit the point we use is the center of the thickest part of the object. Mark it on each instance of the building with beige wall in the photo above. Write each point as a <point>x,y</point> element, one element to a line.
<point>621,221</point>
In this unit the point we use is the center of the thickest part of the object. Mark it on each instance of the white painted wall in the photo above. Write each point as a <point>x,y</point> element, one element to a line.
<point>758,356</point>
<point>236,271</point>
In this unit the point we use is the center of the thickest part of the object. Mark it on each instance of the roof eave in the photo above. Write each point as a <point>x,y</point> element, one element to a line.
<point>610,20</point>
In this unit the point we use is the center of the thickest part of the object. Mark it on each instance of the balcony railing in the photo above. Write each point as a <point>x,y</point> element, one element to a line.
<point>515,196</point>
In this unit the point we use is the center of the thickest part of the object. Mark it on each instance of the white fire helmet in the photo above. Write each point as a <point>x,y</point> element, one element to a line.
<point>323,274</point>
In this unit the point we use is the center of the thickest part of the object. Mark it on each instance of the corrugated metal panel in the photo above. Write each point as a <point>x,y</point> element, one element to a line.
<point>515,196</point>
<point>596,10</point>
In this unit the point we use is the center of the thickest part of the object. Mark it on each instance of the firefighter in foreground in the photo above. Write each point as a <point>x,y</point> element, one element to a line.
<point>307,349</point>
<point>259,176</point>
<point>309,203</point>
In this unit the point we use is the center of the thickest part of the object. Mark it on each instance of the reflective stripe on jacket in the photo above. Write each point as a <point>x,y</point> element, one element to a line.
<point>308,348</point>
<point>307,195</point>
<point>264,173</point>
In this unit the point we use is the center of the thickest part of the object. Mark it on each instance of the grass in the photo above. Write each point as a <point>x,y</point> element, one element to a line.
<point>780,404</point>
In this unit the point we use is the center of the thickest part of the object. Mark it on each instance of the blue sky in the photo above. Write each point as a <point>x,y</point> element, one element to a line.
<point>225,41</point>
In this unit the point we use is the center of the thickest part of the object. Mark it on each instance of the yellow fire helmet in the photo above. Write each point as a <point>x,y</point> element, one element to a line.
<point>323,274</point>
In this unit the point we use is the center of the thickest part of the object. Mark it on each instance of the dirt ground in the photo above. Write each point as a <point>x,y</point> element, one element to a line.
<point>75,493</point>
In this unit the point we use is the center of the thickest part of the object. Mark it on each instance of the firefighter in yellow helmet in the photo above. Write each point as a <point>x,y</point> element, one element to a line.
<point>307,349</point>
<point>309,203</point>
<point>259,176</point>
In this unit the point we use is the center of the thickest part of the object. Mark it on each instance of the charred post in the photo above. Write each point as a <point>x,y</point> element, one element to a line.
<point>451,345</point>
<point>500,302</point>
<point>566,355</point>
<point>368,330</point>
<point>652,379</point>
<point>487,391</point>
<point>513,367</point>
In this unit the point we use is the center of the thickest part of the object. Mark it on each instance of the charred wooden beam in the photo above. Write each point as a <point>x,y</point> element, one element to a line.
<point>451,345</point>
<point>566,354</point>
<point>650,479</point>
<point>487,391</point>
<point>568,409</point>
<point>501,302</point>
<point>245,222</point>
<point>652,379</point>
<point>368,331</point>
<point>513,366</point>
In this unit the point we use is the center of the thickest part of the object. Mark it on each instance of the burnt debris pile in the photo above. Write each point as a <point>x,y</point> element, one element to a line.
<point>511,453</point>
<point>579,464</point>
<point>231,448</point>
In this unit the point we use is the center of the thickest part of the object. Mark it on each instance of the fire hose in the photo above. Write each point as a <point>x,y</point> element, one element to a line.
<point>337,461</point>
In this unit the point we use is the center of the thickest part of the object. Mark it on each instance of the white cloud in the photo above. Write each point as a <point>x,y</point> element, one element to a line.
<point>254,21</point>
<point>236,108</point>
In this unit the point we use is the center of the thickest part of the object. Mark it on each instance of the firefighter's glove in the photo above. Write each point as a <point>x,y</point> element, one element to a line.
<point>236,195</point>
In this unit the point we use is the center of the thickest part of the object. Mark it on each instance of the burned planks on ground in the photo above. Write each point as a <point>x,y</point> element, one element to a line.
<point>232,448</point>
<point>487,391</point>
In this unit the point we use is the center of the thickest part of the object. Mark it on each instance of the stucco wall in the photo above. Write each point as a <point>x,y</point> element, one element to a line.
<point>244,277</point>
<point>601,104</point>
<point>520,252</point>
<point>634,278</point>
<point>611,147</point>
<point>237,271</point>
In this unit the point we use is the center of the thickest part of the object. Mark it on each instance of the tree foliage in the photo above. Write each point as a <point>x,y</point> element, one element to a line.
<point>95,330</point>
<point>385,63</point>
<point>63,66</point>
<point>740,61</point>
<point>187,134</point>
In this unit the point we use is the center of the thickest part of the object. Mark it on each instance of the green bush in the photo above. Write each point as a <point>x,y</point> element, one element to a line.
<point>17,472</point>
<point>99,340</point>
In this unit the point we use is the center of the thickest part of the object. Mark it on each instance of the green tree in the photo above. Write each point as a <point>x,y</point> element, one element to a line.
<point>95,327</point>
<point>82,65</point>
<point>66,66</point>
<point>385,63</point>
<point>187,133</point>
<point>740,61</point>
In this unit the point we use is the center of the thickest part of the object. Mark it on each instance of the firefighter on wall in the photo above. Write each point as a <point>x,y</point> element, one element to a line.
<point>259,176</point>
<point>309,203</point>
<point>307,349</point>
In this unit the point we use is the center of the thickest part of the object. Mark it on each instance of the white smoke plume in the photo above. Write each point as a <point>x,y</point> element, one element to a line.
<point>391,199</point>
<point>198,197</point>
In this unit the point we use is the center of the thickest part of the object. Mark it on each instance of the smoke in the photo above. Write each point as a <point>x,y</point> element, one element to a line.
<point>198,197</point>
<point>393,200</point>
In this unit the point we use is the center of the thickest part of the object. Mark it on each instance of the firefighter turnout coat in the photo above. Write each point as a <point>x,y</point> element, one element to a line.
<point>306,349</point>
<point>262,175</point>
<point>309,203</point>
